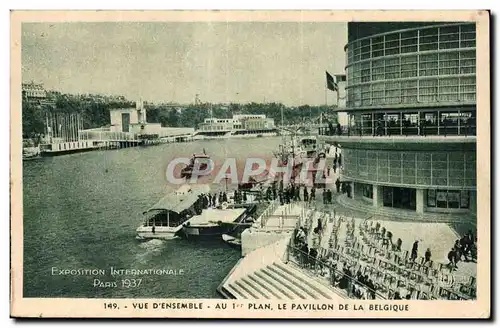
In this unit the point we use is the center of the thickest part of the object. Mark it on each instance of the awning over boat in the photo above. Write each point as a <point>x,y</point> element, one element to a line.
<point>177,202</point>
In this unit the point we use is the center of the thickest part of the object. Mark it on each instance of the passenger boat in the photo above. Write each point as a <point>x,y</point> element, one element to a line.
<point>309,146</point>
<point>164,219</point>
<point>214,222</point>
<point>199,161</point>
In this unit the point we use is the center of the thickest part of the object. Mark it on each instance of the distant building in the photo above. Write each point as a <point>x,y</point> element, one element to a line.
<point>34,93</point>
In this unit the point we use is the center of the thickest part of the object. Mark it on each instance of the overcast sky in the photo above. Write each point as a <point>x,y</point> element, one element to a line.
<point>222,62</point>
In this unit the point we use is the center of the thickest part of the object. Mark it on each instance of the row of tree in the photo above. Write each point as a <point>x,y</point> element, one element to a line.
<point>96,114</point>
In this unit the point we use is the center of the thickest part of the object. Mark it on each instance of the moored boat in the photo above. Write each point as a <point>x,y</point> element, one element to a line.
<point>199,162</point>
<point>164,219</point>
<point>213,222</point>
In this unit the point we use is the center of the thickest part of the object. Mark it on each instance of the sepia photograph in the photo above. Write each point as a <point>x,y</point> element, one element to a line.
<point>250,164</point>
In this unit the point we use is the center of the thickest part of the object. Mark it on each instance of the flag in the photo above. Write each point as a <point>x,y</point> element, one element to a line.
<point>331,82</point>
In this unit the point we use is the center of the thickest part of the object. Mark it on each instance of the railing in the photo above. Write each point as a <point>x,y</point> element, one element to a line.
<point>337,278</point>
<point>399,131</point>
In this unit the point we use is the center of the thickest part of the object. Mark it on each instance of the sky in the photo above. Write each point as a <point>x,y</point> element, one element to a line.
<point>172,62</point>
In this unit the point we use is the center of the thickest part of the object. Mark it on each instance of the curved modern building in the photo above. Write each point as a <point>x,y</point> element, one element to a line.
<point>411,105</point>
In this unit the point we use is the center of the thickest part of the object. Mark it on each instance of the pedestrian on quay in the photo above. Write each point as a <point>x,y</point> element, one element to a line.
<point>324,196</point>
<point>313,193</point>
<point>348,190</point>
<point>334,167</point>
<point>451,257</point>
<point>399,243</point>
<point>306,194</point>
<point>428,255</point>
<point>414,251</point>
<point>337,185</point>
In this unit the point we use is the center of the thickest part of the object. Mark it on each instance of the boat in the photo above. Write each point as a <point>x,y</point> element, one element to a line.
<point>164,219</point>
<point>31,153</point>
<point>233,241</point>
<point>214,222</point>
<point>239,126</point>
<point>199,161</point>
<point>309,146</point>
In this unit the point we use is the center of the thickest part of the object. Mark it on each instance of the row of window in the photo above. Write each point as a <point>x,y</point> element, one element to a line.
<point>426,39</point>
<point>452,89</point>
<point>433,64</point>
<point>448,198</point>
<point>454,169</point>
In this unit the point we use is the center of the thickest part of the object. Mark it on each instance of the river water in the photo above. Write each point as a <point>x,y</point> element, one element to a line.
<point>81,212</point>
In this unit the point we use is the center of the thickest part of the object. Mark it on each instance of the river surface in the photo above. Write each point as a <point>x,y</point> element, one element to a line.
<point>81,212</point>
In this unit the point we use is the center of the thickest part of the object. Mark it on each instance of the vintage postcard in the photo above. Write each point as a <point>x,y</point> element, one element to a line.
<point>250,164</point>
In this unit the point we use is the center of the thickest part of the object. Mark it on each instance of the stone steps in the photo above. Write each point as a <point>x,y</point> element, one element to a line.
<point>280,281</point>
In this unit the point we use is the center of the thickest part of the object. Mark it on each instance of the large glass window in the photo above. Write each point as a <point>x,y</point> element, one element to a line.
<point>428,39</point>
<point>365,95</point>
<point>448,37</point>
<point>366,121</point>
<point>448,89</point>
<point>428,90</point>
<point>392,68</point>
<point>428,64</point>
<point>409,41</point>
<point>448,63</point>
<point>468,36</point>
<point>365,72</point>
<point>408,66</point>
<point>378,70</point>
<point>378,93</point>
<point>442,198</point>
<point>392,44</point>
<point>367,190</point>
<point>409,91</point>
<point>393,92</point>
<point>467,62</point>
<point>393,124</point>
<point>378,46</point>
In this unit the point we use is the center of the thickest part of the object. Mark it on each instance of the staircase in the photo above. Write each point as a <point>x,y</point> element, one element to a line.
<point>279,281</point>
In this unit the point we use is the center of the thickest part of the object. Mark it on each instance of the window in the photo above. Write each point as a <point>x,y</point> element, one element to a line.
<point>365,95</point>
<point>378,46</point>
<point>367,190</point>
<point>428,65</point>
<point>447,198</point>
<point>392,44</point>
<point>448,89</point>
<point>428,39</point>
<point>392,68</point>
<point>378,70</point>
<point>448,63</point>
<point>393,92</point>
<point>467,36</point>
<point>428,90</point>
<point>365,72</point>
<point>409,91</point>
<point>377,93</point>
<point>408,66</point>
<point>468,88</point>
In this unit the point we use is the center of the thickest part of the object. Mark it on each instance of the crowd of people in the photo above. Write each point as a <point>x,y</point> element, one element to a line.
<point>369,264</point>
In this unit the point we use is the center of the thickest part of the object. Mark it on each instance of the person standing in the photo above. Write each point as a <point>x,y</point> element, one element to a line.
<point>337,185</point>
<point>334,168</point>
<point>324,196</point>
<point>313,252</point>
<point>306,194</point>
<point>414,251</point>
<point>428,255</point>
<point>313,193</point>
